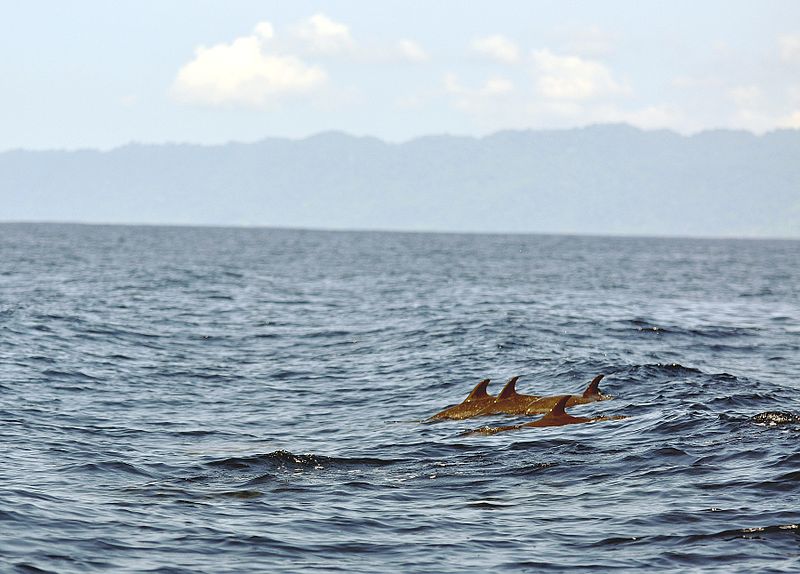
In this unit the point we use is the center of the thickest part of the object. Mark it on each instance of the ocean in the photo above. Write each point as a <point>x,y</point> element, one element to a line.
<point>209,400</point>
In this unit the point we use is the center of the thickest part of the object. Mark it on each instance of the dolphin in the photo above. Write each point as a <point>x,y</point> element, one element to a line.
<point>556,416</point>
<point>509,401</point>
<point>475,402</point>
<point>545,404</point>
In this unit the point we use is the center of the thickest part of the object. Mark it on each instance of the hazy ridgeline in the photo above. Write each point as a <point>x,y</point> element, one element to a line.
<point>604,179</point>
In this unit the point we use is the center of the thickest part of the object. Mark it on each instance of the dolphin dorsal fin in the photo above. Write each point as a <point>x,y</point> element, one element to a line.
<point>479,392</point>
<point>594,387</point>
<point>558,408</point>
<point>510,390</point>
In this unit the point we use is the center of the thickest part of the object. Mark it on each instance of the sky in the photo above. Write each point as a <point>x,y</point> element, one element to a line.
<point>99,74</point>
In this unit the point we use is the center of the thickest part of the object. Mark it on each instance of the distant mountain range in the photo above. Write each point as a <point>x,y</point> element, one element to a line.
<point>609,179</point>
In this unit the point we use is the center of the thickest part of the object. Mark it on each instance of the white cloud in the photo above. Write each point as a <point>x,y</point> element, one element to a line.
<point>243,73</point>
<point>264,30</point>
<point>452,85</point>
<point>790,47</point>
<point>498,103</point>
<point>497,47</point>
<point>561,114</point>
<point>481,100</point>
<point>574,78</point>
<point>492,87</point>
<point>793,95</point>
<point>412,51</point>
<point>758,111</point>
<point>323,35</point>
<point>746,96</point>
<point>497,86</point>
<point>791,120</point>
<point>661,116</point>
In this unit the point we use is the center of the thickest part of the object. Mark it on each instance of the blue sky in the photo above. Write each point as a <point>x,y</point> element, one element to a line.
<point>101,74</point>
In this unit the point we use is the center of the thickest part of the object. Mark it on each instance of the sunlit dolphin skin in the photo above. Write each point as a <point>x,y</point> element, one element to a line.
<point>556,416</point>
<point>477,400</point>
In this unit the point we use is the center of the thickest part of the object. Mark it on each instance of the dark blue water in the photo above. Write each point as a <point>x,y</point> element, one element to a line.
<point>248,400</point>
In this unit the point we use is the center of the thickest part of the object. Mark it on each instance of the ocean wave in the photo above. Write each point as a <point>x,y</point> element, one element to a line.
<point>282,459</point>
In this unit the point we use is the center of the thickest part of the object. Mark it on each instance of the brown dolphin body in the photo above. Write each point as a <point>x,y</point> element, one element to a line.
<point>475,402</point>
<point>509,401</point>
<point>546,404</point>
<point>556,416</point>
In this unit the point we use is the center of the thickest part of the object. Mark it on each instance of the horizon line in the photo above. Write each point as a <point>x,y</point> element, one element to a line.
<point>576,234</point>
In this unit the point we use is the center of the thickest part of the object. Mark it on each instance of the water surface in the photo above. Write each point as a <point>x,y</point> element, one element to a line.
<point>240,400</point>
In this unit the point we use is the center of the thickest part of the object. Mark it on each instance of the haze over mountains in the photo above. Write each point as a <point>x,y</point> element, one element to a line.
<point>610,179</point>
